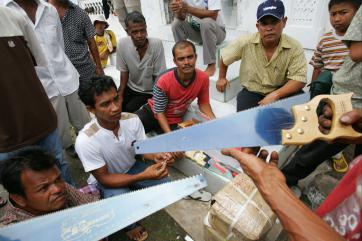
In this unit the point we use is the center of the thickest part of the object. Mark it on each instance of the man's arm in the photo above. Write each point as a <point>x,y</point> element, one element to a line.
<point>207,110</point>
<point>316,73</point>
<point>178,11</point>
<point>162,120</point>
<point>355,51</point>
<point>297,219</point>
<point>222,82</point>
<point>199,12</point>
<point>117,180</point>
<point>95,54</point>
<point>123,84</point>
<point>291,87</point>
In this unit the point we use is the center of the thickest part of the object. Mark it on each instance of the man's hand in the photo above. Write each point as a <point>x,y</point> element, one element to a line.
<point>164,157</point>
<point>156,171</point>
<point>269,98</point>
<point>265,175</point>
<point>325,120</point>
<point>353,118</point>
<point>221,84</point>
<point>176,6</point>
<point>177,155</point>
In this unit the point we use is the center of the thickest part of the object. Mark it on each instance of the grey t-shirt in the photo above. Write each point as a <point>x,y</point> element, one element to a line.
<point>142,73</point>
<point>349,77</point>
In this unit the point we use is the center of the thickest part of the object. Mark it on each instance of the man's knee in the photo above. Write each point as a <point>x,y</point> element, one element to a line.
<point>207,24</point>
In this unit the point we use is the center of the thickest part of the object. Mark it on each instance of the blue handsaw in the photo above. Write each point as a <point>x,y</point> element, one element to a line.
<point>99,219</point>
<point>291,121</point>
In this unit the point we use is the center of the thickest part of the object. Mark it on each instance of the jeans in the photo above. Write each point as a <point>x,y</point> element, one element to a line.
<point>51,144</point>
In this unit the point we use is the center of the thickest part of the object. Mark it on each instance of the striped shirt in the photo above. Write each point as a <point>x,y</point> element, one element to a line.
<point>173,97</point>
<point>330,52</point>
<point>259,75</point>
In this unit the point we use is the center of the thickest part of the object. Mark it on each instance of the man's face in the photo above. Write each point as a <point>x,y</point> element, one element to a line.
<point>341,16</point>
<point>138,33</point>
<point>100,27</point>
<point>108,106</point>
<point>44,191</point>
<point>185,59</point>
<point>270,29</point>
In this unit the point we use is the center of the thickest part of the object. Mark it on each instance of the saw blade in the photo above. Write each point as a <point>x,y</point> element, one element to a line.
<point>259,126</point>
<point>99,219</point>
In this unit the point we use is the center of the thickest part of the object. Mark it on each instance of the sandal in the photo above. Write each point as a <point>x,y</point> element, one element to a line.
<point>201,195</point>
<point>340,163</point>
<point>138,229</point>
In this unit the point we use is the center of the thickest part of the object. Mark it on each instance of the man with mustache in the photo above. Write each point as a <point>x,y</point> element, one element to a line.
<point>35,187</point>
<point>273,65</point>
<point>140,60</point>
<point>175,90</point>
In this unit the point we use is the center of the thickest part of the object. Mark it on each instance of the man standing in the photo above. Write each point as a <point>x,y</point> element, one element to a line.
<point>175,90</point>
<point>78,32</point>
<point>28,118</point>
<point>140,60</point>
<point>205,25</point>
<point>105,146</point>
<point>60,79</point>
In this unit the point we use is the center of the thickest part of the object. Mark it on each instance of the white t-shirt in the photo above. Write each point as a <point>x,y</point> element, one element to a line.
<point>97,146</point>
<point>209,5</point>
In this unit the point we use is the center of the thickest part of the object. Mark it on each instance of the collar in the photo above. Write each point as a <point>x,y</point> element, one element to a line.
<point>39,12</point>
<point>283,42</point>
<point>39,2</point>
<point>182,83</point>
<point>109,131</point>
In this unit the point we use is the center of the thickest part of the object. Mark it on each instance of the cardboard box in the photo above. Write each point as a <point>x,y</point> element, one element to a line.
<point>240,212</point>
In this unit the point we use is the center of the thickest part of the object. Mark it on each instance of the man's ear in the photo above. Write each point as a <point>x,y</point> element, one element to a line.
<point>257,25</point>
<point>18,199</point>
<point>90,109</point>
<point>285,21</point>
<point>174,61</point>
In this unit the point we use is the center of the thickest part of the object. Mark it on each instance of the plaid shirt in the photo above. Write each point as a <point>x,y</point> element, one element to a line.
<point>77,30</point>
<point>74,198</point>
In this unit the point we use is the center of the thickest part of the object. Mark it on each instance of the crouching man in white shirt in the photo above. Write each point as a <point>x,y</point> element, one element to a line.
<point>105,146</point>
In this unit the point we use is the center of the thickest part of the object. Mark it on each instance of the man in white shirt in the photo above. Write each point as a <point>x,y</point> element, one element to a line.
<point>59,78</point>
<point>105,146</point>
<point>205,25</point>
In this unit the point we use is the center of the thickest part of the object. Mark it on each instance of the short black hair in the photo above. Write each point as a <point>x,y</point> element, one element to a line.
<point>134,17</point>
<point>34,159</point>
<point>181,45</point>
<point>355,3</point>
<point>89,89</point>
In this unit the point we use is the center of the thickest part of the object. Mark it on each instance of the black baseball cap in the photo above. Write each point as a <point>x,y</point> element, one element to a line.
<point>273,8</point>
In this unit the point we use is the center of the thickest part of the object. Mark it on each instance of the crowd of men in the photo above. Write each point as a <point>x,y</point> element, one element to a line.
<point>52,78</point>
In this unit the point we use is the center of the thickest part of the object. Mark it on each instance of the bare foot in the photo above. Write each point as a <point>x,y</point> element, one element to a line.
<point>137,234</point>
<point>210,70</point>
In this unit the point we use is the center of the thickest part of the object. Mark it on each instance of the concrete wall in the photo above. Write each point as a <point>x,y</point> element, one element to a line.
<point>307,20</point>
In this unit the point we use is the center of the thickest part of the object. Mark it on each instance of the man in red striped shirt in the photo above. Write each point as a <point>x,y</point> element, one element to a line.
<point>175,90</point>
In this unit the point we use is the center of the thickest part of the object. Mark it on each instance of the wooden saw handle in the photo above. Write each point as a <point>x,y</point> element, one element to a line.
<point>305,129</point>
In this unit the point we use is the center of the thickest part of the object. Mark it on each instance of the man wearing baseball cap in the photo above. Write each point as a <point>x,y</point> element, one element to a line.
<point>105,39</point>
<point>273,65</point>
